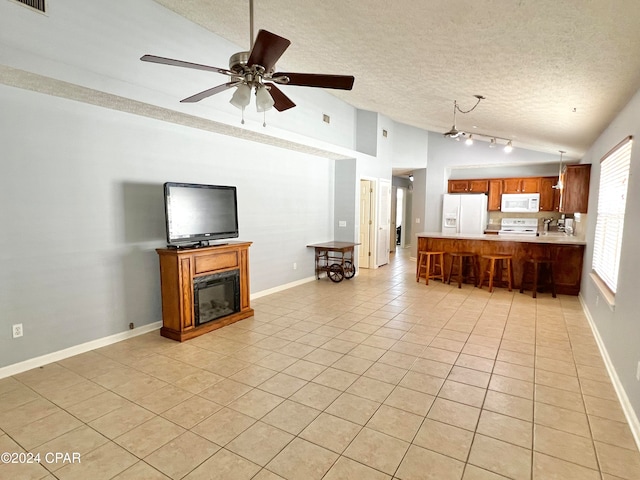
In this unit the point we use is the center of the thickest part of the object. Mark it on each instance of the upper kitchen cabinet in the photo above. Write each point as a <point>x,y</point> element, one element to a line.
<point>521,185</point>
<point>574,197</point>
<point>468,186</point>
<point>495,195</point>
<point>549,196</point>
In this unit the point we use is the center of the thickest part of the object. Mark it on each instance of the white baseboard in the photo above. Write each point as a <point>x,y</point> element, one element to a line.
<point>627,408</point>
<point>281,288</point>
<point>76,350</point>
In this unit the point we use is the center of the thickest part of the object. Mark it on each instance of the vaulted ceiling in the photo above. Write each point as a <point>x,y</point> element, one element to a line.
<point>554,73</point>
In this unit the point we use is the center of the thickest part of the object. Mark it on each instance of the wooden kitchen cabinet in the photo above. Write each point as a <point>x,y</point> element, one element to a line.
<point>574,197</point>
<point>521,185</point>
<point>468,186</point>
<point>495,195</point>
<point>549,196</point>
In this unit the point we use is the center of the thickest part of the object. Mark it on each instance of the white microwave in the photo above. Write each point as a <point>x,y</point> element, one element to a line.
<point>520,202</point>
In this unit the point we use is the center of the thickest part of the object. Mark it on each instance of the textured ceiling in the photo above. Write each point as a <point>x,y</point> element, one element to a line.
<point>554,73</point>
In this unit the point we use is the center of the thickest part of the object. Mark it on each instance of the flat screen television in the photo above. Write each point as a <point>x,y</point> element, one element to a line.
<point>197,213</point>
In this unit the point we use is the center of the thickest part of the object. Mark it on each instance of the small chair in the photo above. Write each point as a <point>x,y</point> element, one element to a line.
<point>495,265</point>
<point>463,260</point>
<point>431,266</point>
<point>539,269</point>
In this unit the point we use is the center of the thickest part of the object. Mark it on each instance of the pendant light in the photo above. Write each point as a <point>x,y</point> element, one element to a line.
<point>560,185</point>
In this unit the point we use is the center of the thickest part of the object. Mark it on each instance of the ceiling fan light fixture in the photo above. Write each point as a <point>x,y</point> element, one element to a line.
<point>264,100</point>
<point>492,143</point>
<point>469,141</point>
<point>241,97</point>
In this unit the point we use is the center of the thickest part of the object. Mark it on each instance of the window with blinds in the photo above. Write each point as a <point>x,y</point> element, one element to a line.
<point>612,200</point>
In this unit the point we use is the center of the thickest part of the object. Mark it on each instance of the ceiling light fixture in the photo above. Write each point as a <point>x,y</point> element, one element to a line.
<point>411,178</point>
<point>560,185</point>
<point>508,148</point>
<point>458,134</point>
<point>454,132</point>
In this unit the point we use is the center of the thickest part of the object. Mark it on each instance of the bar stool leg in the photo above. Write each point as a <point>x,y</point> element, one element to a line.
<point>426,274</point>
<point>552,281</point>
<point>420,255</point>
<point>474,267</point>
<point>510,272</point>
<point>492,272</point>
<point>483,271</point>
<point>441,267</point>
<point>453,260</point>
<point>536,268</point>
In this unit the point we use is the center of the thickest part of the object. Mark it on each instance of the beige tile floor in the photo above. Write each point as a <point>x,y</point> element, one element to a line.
<point>373,378</point>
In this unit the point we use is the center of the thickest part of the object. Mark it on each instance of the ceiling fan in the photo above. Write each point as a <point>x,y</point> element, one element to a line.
<point>255,70</point>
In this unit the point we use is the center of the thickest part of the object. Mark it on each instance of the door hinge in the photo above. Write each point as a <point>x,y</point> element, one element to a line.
<point>371,190</point>
<point>369,253</point>
<point>370,222</point>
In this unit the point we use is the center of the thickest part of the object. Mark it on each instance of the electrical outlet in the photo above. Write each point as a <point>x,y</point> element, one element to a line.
<point>638,372</point>
<point>17,330</point>
<point>295,266</point>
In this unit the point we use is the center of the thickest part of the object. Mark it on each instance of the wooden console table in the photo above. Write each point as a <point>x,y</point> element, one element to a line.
<point>178,270</point>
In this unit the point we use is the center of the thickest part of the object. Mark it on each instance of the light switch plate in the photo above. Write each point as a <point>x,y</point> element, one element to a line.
<point>342,223</point>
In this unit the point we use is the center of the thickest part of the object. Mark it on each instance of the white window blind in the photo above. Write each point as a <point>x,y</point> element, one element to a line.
<point>612,200</point>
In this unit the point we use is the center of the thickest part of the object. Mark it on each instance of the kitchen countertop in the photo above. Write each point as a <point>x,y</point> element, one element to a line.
<point>555,238</point>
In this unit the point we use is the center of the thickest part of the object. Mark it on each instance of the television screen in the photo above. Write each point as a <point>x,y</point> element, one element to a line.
<point>197,213</point>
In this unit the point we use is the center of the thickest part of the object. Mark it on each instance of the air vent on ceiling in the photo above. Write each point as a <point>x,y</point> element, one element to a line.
<point>35,4</point>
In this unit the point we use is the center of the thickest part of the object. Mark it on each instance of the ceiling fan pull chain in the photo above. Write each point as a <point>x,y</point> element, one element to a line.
<point>264,119</point>
<point>242,122</point>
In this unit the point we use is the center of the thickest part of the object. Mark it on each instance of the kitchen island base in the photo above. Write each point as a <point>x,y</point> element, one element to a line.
<point>567,258</point>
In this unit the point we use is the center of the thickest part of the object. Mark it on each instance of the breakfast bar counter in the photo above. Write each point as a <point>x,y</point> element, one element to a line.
<point>566,251</point>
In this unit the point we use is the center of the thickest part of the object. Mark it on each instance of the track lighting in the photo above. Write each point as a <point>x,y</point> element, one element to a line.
<point>457,134</point>
<point>454,132</point>
<point>508,147</point>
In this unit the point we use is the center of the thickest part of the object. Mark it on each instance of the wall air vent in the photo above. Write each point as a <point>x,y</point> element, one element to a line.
<point>39,5</point>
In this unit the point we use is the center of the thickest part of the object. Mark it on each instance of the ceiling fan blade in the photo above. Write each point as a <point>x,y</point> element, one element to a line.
<point>282,102</point>
<point>180,63</point>
<point>267,49</point>
<point>211,91</point>
<point>341,82</point>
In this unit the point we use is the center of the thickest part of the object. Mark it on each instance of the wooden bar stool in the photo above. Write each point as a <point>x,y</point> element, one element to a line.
<point>431,266</point>
<point>464,260</point>
<point>538,269</point>
<point>496,264</point>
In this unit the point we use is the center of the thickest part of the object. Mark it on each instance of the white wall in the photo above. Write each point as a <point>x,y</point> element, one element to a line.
<point>618,328</point>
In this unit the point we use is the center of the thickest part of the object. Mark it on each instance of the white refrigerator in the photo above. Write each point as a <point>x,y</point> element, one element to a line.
<point>464,213</point>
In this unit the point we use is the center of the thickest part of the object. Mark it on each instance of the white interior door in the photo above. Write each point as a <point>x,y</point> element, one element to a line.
<point>384,223</point>
<point>393,223</point>
<point>365,224</point>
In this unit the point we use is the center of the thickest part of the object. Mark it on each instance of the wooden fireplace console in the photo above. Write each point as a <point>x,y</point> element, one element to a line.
<point>178,269</point>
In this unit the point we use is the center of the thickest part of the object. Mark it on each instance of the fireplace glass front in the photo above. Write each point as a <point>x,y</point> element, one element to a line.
<point>216,296</point>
